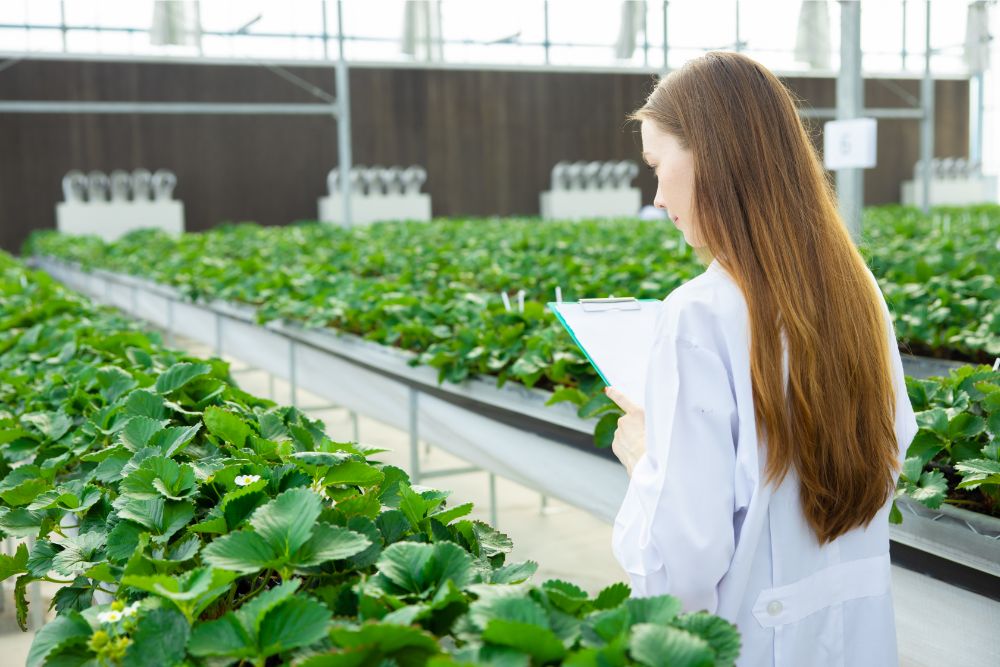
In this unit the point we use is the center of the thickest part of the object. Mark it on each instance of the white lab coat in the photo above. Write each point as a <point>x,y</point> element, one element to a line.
<point>698,522</point>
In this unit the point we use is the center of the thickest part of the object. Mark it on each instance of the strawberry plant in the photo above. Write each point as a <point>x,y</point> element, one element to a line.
<point>434,289</point>
<point>955,456</point>
<point>187,522</point>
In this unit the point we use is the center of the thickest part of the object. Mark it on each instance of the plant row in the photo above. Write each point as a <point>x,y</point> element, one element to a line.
<point>187,522</point>
<point>435,289</point>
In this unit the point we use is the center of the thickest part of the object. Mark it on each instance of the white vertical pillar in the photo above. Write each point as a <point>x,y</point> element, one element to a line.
<point>342,111</point>
<point>927,122</point>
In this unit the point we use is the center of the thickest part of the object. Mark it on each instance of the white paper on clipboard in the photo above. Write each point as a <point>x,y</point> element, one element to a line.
<point>617,341</point>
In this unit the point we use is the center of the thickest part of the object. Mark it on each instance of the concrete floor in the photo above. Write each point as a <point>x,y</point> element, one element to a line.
<point>937,624</point>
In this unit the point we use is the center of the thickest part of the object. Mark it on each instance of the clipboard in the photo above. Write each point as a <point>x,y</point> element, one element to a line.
<point>616,335</point>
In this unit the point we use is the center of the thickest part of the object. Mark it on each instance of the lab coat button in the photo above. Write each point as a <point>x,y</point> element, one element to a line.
<point>774,608</point>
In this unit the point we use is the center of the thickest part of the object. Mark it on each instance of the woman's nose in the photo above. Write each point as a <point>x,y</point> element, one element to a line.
<point>658,200</point>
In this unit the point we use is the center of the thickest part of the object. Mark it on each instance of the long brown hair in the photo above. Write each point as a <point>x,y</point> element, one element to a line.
<point>767,212</point>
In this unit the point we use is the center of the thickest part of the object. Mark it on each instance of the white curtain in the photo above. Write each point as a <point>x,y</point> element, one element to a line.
<point>812,42</point>
<point>633,18</point>
<point>422,30</point>
<point>977,37</point>
<point>176,23</point>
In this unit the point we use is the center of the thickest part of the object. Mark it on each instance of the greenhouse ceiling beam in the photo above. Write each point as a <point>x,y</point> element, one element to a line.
<point>224,108</point>
<point>889,113</point>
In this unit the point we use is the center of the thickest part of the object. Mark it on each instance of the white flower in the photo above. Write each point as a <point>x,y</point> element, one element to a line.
<point>109,616</point>
<point>244,480</point>
<point>131,610</point>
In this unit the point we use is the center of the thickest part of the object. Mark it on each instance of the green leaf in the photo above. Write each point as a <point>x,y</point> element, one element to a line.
<point>144,403</point>
<point>252,613</point>
<point>179,375</point>
<point>925,446</point>
<point>162,517</point>
<point>79,553</point>
<point>244,552</point>
<point>446,516</point>
<point>174,439</point>
<point>514,574</point>
<point>77,597</point>
<point>977,472</point>
<point>354,473</point>
<point>659,610</point>
<point>570,394</point>
<point>52,425</point>
<point>612,596</point>
<point>934,420</point>
<point>540,643</point>
<point>191,592</point>
<point>22,485</point>
<point>388,639</point>
<point>115,382</point>
<point>21,600</point>
<point>421,568</point>
<point>927,487</point>
<point>491,541</point>
<point>520,610</point>
<point>722,636</point>
<point>225,636</point>
<point>21,522</point>
<point>159,640</point>
<point>412,505</point>
<point>965,426</point>
<point>104,572</point>
<point>565,596</point>
<point>227,426</point>
<point>123,540</point>
<point>160,476</point>
<point>16,564</point>
<point>139,431</point>
<point>664,646</point>
<point>40,559</point>
<point>287,521</point>
<point>296,622</point>
<point>604,432</point>
<point>63,631</point>
<point>598,404</point>
<point>329,543</point>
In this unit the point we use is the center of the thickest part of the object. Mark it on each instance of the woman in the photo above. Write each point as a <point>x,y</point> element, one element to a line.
<point>776,415</point>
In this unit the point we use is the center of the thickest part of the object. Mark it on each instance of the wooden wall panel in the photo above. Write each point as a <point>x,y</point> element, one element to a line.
<point>488,139</point>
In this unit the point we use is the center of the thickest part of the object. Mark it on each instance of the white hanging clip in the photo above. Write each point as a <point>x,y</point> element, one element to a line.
<point>520,301</point>
<point>506,301</point>
<point>558,294</point>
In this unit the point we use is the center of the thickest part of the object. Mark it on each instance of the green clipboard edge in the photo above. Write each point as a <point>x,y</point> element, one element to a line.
<point>566,326</point>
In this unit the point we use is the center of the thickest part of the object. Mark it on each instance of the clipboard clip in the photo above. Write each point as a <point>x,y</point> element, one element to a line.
<point>610,303</point>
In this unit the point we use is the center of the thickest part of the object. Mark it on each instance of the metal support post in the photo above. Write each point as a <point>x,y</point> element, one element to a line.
<point>218,335</point>
<point>293,384</point>
<point>927,123</point>
<point>850,104</point>
<point>493,501</point>
<point>414,439</point>
<point>170,323</point>
<point>342,112</point>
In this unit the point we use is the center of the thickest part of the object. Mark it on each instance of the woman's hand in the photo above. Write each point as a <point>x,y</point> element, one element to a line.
<point>630,439</point>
